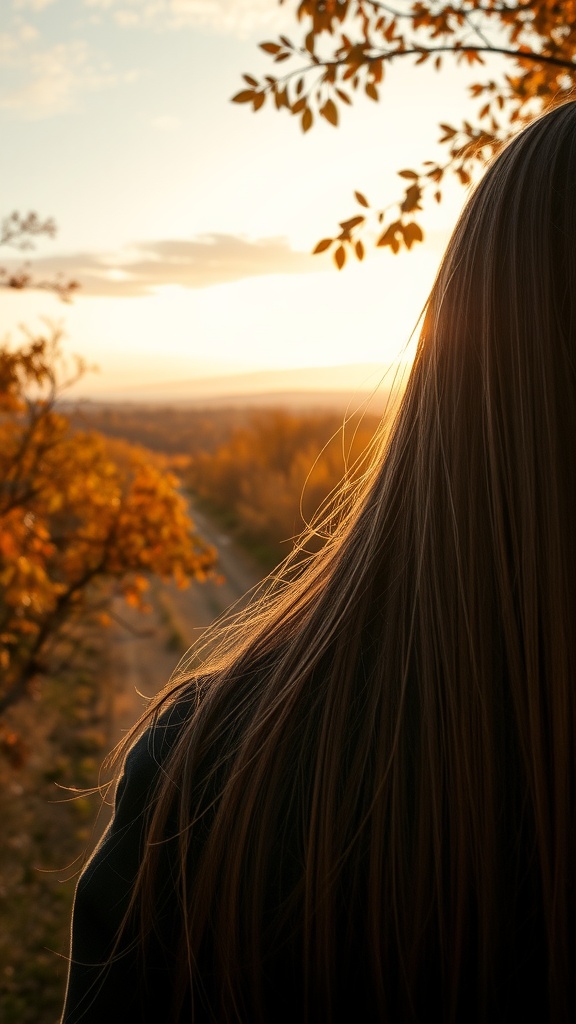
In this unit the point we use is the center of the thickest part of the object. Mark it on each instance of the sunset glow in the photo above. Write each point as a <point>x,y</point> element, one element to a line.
<point>189,221</point>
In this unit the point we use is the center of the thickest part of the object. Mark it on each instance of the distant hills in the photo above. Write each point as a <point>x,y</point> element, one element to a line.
<point>325,387</point>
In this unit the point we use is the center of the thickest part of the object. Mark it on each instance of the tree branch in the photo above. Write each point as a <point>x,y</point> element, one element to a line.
<point>416,51</point>
<point>475,28</point>
<point>22,278</point>
<point>537,58</point>
<point>18,231</point>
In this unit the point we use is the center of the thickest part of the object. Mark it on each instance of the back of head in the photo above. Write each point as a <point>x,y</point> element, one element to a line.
<point>489,419</point>
<point>391,738</point>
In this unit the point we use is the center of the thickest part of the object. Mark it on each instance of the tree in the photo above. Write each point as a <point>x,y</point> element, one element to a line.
<point>273,474</point>
<point>77,511</point>
<point>346,46</point>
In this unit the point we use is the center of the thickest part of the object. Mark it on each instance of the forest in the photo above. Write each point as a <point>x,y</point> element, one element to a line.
<point>263,473</point>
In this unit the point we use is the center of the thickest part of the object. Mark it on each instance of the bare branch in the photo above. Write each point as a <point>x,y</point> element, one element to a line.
<point>18,232</point>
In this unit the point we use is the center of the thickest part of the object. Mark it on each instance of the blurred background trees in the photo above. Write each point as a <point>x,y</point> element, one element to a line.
<point>84,519</point>
<point>77,511</point>
<point>81,516</point>
<point>267,480</point>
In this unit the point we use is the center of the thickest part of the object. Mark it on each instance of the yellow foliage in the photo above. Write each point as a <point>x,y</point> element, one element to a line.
<point>75,508</point>
<point>271,476</point>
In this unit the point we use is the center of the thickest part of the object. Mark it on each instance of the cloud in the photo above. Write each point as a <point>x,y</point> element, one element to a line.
<point>38,79</point>
<point>33,5</point>
<point>236,16</point>
<point>48,81</point>
<point>196,263</point>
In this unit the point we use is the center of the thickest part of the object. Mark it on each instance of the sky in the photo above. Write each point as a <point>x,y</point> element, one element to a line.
<point>190,220</point>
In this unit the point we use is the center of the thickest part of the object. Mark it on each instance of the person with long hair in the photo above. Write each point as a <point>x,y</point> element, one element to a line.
<point>363,805</point>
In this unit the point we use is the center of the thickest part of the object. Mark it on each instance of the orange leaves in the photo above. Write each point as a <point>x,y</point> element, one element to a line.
<point>390,236</point>
<point>412,233</point>
<point>398,232</point>
<point>323,245</point>
<point>307,119</point>
<point>152,531</point>
<point>330,112</point>
<point>473,57</point>
<point>281,99</point>
<point>75,509</point>
<point>353,222</point>
<point>265,472</point>
<point>411,200</point>
<point>28,593</point>
<point>345,236</point>
<point>254,96</point>
<point>448,133</point>
<point>31,363</point>
<point>245,96</point>
<point>346,45</point>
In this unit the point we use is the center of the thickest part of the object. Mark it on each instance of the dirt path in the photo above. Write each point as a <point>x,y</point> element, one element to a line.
<point>141,659</point>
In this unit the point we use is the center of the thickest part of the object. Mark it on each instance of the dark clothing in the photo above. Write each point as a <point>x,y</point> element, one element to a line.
<point>105,984</point>
<point>107,992</point>
<point>108,984</point>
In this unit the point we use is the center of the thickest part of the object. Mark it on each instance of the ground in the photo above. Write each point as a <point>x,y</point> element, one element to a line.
<point>47,828</point>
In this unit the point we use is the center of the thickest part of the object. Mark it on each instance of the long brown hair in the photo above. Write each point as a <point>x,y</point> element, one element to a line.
<point>377,774</point>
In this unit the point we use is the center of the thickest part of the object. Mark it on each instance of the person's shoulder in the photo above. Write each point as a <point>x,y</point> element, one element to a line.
<point>147,757</point>
<point>145,766</point>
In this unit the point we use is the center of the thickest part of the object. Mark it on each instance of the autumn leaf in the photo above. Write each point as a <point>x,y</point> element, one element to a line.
<point>353,222</point>
<point>535,70</point>
<point>323,245</point>
<point>412,233</point>
<point>330,112</point>
<point>411,199</point>
<point>245,96</point>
